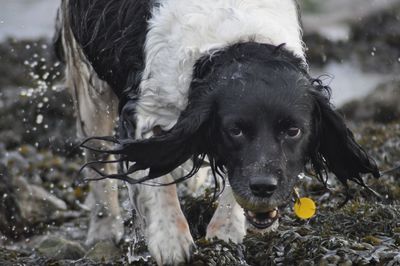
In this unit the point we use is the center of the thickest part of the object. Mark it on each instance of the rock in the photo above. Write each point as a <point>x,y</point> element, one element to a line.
<point>331,18</point>
<point>373,41</point>
<point>60,248</point>
<point>24,205</point>
<point>11,257</point>
<point>322,50</point>
<point>384,25</point>
<point>104,251</point>
<point>381,105</point>
<point>36,204</point>
<point>11,221</point>
<point>218,252</point>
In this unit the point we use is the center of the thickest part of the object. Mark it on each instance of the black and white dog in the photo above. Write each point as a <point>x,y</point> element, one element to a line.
<point>221,80</point>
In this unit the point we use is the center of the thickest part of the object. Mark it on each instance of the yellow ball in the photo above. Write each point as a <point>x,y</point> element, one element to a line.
<point>304,208</point>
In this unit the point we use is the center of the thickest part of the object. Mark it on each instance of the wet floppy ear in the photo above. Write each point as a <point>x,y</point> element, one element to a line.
<point>336,148</point>
<point>163,153</point>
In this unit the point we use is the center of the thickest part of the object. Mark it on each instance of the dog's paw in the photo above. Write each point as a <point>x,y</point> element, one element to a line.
<point>227,225</point>
<point>170,243</point>
<point>104,228</point>
<point>226,231</point>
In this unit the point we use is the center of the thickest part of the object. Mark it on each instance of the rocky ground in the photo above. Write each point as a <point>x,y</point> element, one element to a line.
<point>43,221</point>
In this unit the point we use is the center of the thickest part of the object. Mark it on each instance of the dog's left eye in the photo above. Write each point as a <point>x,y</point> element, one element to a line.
<point>235,131</point>
<point>293,132</point>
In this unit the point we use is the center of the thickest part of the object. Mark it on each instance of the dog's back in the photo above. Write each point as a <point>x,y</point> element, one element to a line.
<point>111,36</point>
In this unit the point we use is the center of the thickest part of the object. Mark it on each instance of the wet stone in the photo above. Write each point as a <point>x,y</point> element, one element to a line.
<point>381,105</point>
<point>60,248</point>
<point>104,251</point>
<point>24,205</point>
<point>217,252</point>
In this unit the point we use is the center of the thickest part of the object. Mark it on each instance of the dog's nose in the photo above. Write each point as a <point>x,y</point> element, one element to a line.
<point>263,186</point>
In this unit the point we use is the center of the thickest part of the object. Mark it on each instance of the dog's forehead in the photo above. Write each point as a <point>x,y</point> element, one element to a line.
<point>245,87</point>
<point>241,76</point>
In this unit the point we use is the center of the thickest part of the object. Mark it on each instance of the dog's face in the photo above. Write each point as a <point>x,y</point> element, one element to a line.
<point>256,114</point>
<point>263,120</point>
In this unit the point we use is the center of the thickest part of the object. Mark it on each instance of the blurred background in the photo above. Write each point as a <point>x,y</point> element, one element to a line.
<point>353,45</point>
<point>336,22</point>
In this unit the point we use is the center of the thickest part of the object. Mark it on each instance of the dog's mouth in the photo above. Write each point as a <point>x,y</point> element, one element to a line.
<point>262,220</point>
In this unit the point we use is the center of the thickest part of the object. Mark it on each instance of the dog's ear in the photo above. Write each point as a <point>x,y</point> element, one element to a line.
<point>335,148</point>
<point>190,136</point>
<point>187,139</point>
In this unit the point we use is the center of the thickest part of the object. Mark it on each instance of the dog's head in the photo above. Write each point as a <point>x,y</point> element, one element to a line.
<point>256,113</point>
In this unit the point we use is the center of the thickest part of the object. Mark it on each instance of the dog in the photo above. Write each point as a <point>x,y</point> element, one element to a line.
<point>221,81</point>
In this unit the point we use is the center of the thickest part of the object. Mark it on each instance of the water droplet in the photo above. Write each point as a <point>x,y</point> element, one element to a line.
<point>45,75</point>
<point>301,175</point>
<point>39,119</point>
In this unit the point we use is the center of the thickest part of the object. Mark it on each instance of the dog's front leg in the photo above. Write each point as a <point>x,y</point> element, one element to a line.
<point>105,220</point>
<point>165,227</point>
<point>228,221</point>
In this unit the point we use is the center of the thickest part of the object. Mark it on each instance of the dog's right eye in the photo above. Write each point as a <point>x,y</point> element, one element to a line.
<point>235,132</point>
<point>293,132</point>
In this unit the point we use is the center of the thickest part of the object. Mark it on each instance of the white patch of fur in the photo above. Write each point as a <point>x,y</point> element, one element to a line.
<point>181,31</point>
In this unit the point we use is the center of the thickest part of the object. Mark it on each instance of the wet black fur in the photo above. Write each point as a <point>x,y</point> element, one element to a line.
<point>112,36</point>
